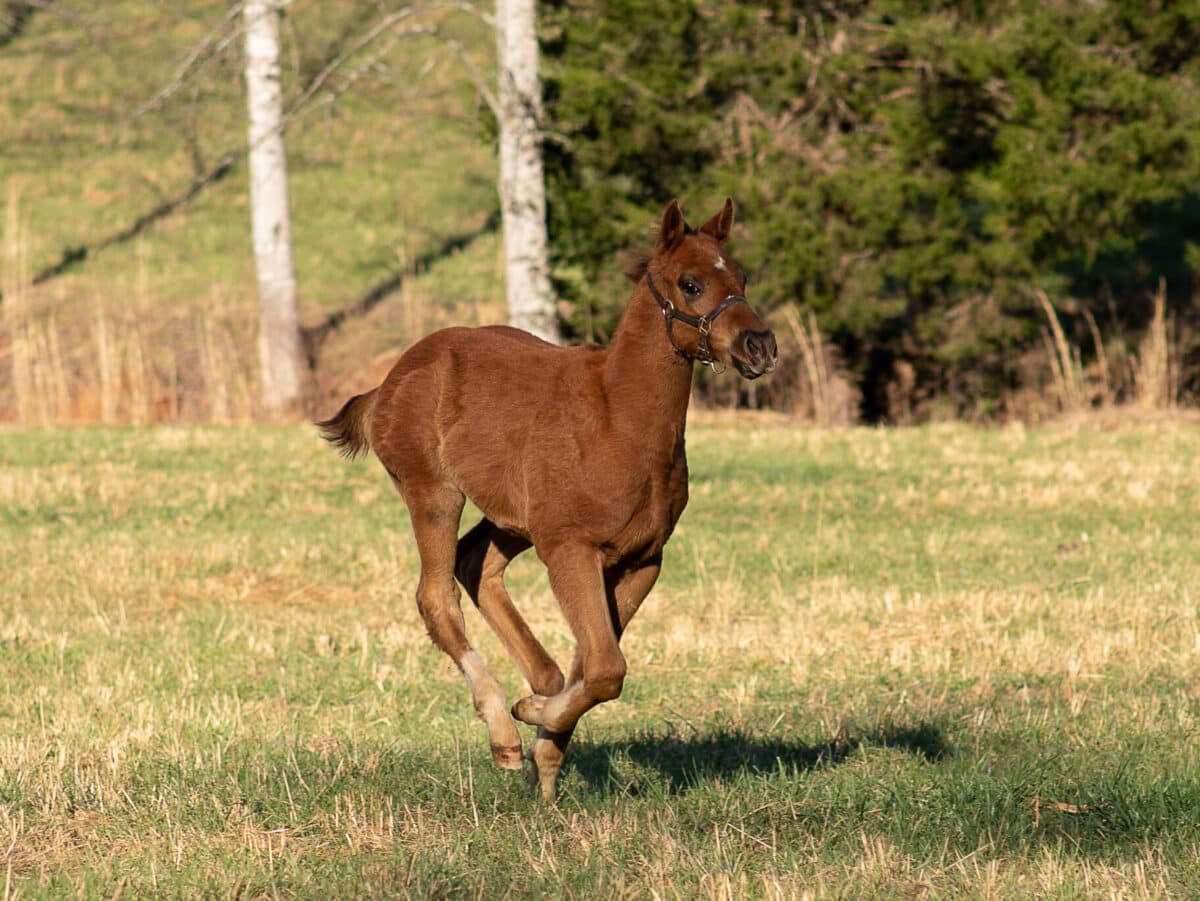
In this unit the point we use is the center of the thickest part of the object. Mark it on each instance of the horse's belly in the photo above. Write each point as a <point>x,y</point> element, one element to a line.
<point>497,503</point>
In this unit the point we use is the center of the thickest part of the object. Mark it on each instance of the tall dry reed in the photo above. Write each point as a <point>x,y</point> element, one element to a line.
<point>14,283</point>
<point>133,366</point>
<point>816,366</point>
<point>1106,389</point>
<point>1065,362</point>
<point>1155,373</point>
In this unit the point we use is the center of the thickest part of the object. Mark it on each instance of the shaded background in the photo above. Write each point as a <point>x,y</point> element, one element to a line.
<point>979,210</point>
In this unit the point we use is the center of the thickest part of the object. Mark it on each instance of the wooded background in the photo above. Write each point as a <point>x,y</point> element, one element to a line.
<point>917,175</point>
<point>983,210</point>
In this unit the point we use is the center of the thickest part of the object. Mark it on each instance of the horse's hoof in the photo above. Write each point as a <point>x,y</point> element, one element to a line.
<point>529,710</point>
<point>508,758</point>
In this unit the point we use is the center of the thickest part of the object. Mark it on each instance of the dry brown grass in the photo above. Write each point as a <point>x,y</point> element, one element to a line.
<point>215,682</point>
<point>1156,368</point>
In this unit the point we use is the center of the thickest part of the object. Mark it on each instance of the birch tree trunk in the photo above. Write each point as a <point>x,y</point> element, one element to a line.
<point>279,346</point>
<point>522,182</point>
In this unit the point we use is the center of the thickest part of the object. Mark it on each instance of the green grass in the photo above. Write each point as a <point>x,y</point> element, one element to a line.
<point>377,180</point>
<point>937,661</point>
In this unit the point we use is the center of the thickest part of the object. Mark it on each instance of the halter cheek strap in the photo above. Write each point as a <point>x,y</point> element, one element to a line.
<point>703,324</point>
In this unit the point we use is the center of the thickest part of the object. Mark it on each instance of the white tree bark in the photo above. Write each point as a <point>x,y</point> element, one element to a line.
<point>522,182</point>
<point>279,348</point>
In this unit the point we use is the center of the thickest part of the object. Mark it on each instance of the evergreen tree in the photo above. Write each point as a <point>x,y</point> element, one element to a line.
<point>912,172</point>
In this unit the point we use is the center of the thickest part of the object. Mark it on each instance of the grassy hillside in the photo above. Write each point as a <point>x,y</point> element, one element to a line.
<point>379,178</point>
<point>940,660</point>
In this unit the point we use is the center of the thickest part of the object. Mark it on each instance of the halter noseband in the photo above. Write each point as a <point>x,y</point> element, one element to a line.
<point>702,324</point>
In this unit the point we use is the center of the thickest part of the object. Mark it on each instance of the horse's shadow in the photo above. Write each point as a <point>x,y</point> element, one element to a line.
<point>689,761</point>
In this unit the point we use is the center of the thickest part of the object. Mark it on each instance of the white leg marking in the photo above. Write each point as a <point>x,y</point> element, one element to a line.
<point>488,698</point>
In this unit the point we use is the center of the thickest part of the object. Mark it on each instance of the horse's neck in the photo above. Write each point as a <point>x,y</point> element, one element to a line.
<point>648,384</point>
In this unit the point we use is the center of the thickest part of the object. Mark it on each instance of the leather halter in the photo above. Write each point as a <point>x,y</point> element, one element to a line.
<point>702,324</point>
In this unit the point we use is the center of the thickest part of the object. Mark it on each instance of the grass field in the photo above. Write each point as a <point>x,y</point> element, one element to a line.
<point>383,174</point>
<point>938,661</point>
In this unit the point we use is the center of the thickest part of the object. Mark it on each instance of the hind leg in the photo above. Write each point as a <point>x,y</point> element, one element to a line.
<point>483,555</point>
<point>435,513</point>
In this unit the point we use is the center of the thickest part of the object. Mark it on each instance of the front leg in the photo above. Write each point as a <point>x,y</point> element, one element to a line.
<point>577,579</point>
<point>624,595</point>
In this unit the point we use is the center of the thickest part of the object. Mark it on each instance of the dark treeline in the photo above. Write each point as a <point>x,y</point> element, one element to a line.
<point>914,174</point>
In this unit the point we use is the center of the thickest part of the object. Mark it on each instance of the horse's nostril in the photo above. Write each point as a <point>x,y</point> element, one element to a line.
<point>755,352</point>
<point>760,347</point>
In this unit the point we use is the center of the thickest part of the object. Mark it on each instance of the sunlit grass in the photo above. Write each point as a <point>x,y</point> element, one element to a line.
<point>377,180</point>
<point>939,661</point>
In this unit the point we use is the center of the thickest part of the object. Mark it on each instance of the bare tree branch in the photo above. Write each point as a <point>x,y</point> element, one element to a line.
<point>218,39</point>
<point>212,45</point>
<point>387,23</point>
<point>72,256</point>
<point>373,63</point>
<point>475,75</point>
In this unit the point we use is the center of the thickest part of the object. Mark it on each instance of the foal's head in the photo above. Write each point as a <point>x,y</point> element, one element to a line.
<point>702,294</point>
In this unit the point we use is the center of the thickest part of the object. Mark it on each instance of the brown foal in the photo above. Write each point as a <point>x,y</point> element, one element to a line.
<point>577,452</point>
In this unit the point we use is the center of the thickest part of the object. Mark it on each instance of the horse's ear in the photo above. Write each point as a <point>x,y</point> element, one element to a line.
<point>720,225</point>
<point>673,226</point>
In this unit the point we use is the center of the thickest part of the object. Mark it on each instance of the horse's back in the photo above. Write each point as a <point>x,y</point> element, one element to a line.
<point>488,361</point>
<point>460,346</point>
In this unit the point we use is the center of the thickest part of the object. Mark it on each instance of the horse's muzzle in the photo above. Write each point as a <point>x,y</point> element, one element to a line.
<point>755,353</point>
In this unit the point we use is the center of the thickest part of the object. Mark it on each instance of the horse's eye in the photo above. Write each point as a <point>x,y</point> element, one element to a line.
<point>690,286</point>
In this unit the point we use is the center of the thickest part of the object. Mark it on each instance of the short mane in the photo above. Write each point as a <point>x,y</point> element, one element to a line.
<point>639,262</point>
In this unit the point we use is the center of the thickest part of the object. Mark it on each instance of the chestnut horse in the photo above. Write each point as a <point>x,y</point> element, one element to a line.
<point>577,452</point>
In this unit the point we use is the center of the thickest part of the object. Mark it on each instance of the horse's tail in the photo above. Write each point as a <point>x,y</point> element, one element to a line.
<point>347,430</point>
